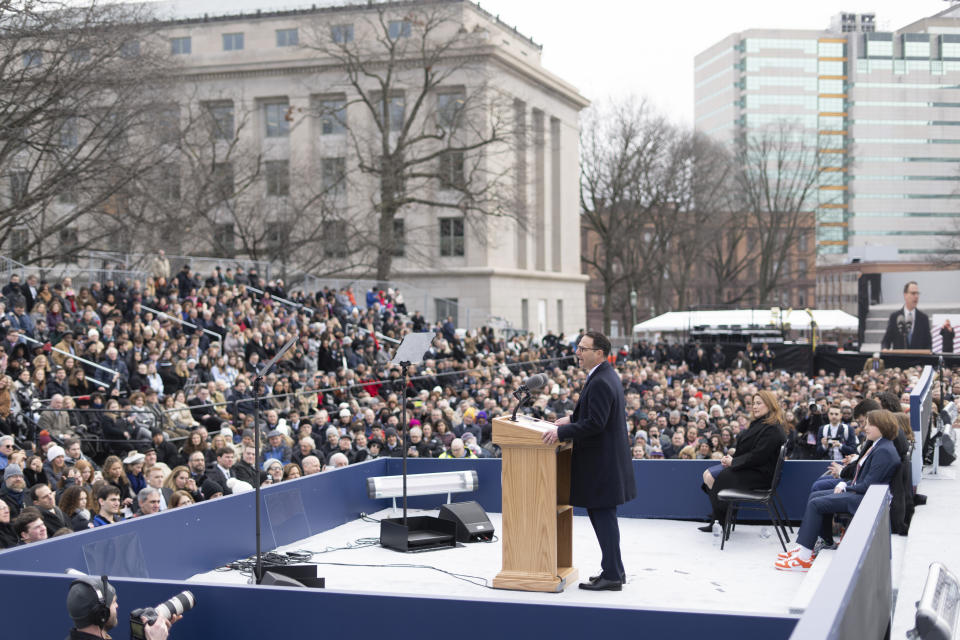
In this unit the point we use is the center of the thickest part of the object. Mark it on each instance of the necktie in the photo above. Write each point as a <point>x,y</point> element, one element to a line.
<point>863,461</point>
<point>910,324</point>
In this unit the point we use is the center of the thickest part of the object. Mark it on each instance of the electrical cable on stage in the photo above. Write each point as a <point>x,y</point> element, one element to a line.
<point>477,581</point>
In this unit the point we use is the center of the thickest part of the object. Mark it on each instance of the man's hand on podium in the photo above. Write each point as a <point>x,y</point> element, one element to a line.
<point>550,435</point>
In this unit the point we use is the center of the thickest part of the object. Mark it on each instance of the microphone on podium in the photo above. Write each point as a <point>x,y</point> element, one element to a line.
<point>532,383</point>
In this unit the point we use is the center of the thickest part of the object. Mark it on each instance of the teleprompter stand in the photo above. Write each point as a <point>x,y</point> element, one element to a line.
<point>419,533</point>
<point>288,575</point>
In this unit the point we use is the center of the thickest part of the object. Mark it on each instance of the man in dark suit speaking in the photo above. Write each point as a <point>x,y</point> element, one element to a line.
<point>908,328</point>
<point>601,471</point>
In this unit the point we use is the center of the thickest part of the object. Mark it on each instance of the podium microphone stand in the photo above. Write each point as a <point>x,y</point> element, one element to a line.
<point>417,533</point>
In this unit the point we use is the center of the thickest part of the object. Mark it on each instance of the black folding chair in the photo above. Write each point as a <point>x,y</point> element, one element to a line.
<point>767,497</point>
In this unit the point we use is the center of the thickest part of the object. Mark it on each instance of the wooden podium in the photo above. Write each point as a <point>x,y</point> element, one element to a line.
<point>537,527</point>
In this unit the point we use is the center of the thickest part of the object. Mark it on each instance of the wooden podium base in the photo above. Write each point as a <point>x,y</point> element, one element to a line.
<point>525,581</point>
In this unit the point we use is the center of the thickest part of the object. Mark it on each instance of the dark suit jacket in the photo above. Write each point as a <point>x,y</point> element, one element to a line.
<point>601,471</point>
<point>878,467</point>
<point>921,339</point>
<point>214,473</point>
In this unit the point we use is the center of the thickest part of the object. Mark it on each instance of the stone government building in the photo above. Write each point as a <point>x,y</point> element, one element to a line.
<point>258,70</point>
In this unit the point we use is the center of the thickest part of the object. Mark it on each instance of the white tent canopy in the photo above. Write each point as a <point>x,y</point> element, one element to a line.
<point>826,320</point>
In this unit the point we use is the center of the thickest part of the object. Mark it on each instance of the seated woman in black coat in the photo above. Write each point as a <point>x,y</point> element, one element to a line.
<point>755,460</point>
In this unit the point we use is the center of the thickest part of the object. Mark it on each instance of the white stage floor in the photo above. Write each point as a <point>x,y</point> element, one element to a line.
<point>669,564</point>
<point>933,538</point>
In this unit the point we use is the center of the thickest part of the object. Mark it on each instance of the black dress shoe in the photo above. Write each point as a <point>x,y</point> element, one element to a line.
<point>602,584</point>
<point>707,528</point>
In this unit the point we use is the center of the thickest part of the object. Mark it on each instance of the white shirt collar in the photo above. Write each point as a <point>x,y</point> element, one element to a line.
<point>594,369</point>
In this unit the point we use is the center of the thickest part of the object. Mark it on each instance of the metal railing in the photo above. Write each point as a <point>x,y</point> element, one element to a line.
<point>81,275</point>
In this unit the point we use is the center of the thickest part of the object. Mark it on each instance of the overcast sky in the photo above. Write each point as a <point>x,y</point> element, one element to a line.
<point>611,48</point>
<point>614,48</point>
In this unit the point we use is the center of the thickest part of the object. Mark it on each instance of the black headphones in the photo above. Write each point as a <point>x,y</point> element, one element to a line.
<point>101,611</point>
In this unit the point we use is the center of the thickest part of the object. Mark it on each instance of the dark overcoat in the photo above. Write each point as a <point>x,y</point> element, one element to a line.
<point>601,471</point>
<point>755,459</point>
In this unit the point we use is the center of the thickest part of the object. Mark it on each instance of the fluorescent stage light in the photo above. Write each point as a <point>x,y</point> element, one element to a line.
<point>423,484</point>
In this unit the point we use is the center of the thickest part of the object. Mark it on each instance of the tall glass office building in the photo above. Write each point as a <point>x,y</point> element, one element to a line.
<point>883,110</point>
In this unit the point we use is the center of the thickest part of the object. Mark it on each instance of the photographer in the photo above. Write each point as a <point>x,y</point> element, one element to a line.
<point>92,604</point>
<point>836,438</point>
<point>809,420</point>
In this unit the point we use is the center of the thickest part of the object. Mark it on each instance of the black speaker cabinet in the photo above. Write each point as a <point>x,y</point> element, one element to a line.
<point>472,522</point>
<point>294,575</point>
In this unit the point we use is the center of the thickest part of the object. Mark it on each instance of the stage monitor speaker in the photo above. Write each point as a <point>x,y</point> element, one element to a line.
<point>294,575</point>
<point>472,522</point>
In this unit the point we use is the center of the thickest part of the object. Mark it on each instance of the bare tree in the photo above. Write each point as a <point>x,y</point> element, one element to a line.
<point>702,181</point>
<point>626,168</point>
<point>776,186</point>
<point>218,194</point>
<point>432,125</point>
<point>79,87</point>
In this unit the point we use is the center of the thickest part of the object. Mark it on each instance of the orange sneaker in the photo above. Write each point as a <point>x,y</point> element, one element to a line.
<point>793,563</point>
<point>793,552</point>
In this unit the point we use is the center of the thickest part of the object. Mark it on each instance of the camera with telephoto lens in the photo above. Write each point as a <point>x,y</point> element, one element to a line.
<point>177,605</point>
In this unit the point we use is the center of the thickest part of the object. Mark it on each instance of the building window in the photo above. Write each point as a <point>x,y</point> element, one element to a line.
<point>560,316</point>
<point>67,195</point>
<point>341,33</point>
<point>17,247</point>
<point>180,46</point>
<point>449,108</point>
<point>525,314</point>
<point>168,125</point>
<point>69,136</point>
<point>399,248</point>
<point>130,49</point>
<point>224,239</point>
<point>396,106</point>
<point>19,186</point>
<point>288,37</point>
<point>398,29</point>
<point>69,243</point>
<point>278,177</point>
<point>80,54</point>
<point>233,42</point>
<point>451,237</point>
<point>451,170</point>
<point>169,186</point>
<point>333,117</point>
<point>223,180</point>
<point>333,175</point>
<point>335,239</point>
<point>448,308</point>
<point>278,236</point>
<point>32,58</point>
<point>275,119</point>
<point>221,120</point>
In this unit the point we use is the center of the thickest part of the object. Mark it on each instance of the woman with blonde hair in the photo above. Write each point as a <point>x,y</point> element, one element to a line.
<point>753,463</point>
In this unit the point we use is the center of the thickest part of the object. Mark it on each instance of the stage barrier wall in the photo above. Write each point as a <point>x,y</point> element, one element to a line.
<point>219,531</point>
<point>855,597</point>
<point>665,488</point>
<point>156,553</point>
<point>276,612</point>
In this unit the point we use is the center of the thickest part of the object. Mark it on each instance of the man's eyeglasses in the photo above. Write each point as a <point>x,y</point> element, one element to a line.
<point>579,348</point>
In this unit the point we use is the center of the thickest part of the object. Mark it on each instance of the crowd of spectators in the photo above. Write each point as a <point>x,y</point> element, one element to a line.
<point>111,410</point>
